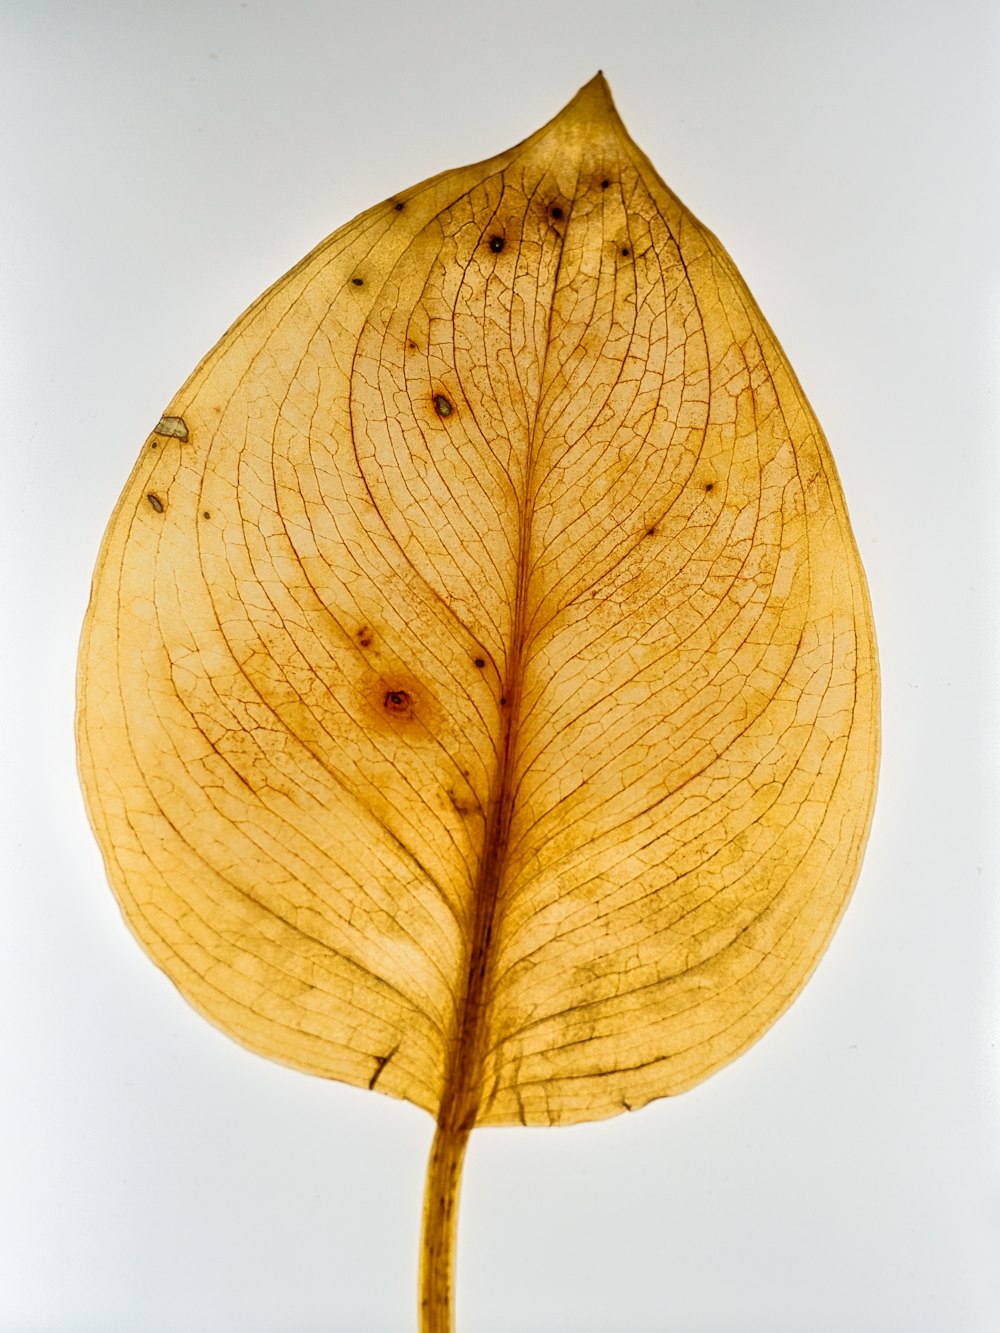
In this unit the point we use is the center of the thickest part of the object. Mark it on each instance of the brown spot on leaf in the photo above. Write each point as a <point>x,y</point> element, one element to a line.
<point>155,502</point>
<point>496,244</point>
<point>442,406</point>
<point>461,806</point>
<point>397,702</point>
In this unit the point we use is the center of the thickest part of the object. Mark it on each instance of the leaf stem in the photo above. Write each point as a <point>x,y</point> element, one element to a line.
<point>437,1256</point>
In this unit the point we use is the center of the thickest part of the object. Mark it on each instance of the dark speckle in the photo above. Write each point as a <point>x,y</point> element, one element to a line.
<point>358,282</point>
<point>365,636</point>
<point>624,249</point>
<point>442,406</point>
<point>503,700</point>
<point>205,514</point>
<point>557,213</point>
<point>154,445</point>
<point>412,346</point>
<point>480,662</point>
<point>396,701</point>
<point>709,485</point>
<point>400,207</point>
<point>380,1063</point>
<point>605,184</point>
<point>496,244</point>
<point>155,502</point>
<point>651,532</point>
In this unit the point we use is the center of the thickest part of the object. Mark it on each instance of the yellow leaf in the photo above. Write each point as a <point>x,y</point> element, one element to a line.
<point>478,696</point>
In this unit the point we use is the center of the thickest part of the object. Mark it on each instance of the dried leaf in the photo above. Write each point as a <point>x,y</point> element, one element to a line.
<point>478,697</point>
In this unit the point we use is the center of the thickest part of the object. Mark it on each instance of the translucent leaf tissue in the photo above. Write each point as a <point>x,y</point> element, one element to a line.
<point>478,697</point>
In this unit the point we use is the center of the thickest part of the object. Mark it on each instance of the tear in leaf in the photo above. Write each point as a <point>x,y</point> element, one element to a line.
<point>507,741</point>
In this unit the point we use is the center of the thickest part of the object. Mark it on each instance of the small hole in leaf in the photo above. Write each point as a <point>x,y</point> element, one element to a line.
<point>496,244</point>
<point>155,502</point>
<point>557,212</point>
<point>605,184</point>
<point>442,406</point>
<point>396,701</point>
<point>358,282</point>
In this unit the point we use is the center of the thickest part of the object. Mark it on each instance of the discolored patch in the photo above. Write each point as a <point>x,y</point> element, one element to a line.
<point>175,428</point>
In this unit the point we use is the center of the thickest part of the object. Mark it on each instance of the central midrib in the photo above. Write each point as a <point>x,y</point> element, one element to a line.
<point>463,1084</point>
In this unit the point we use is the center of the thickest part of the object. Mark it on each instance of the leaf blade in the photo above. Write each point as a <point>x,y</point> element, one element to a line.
<point>472,600</point>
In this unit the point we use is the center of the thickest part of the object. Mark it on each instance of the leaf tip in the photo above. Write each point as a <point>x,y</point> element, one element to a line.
<point>593,101</point>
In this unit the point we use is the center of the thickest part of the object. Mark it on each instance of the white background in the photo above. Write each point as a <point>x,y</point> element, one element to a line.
<point>163,163</point>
